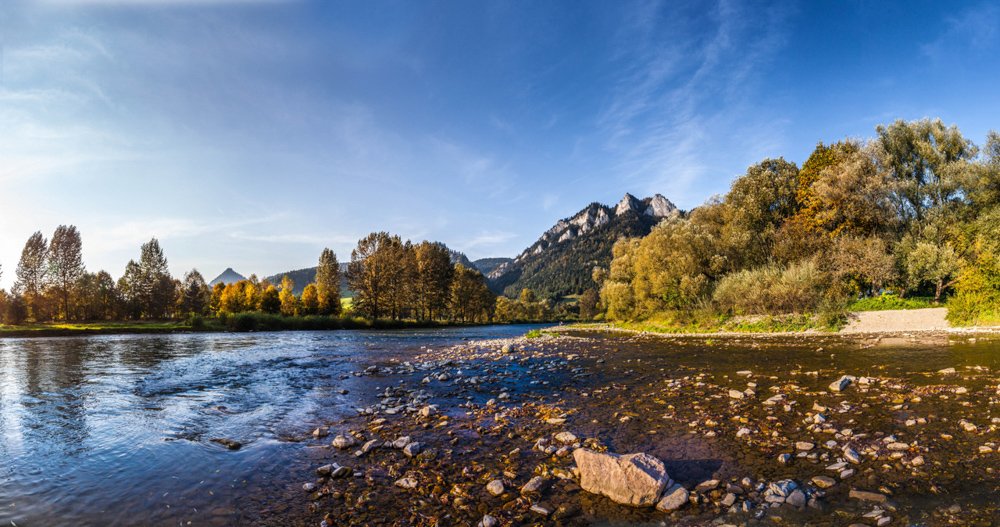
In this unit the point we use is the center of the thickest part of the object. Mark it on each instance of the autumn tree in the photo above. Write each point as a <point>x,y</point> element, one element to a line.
<point>310,300</point>
<point>215,303</point>
<point>328,283</point>
<point>434,273</point>
<point>270,301</point>
<point>471,300</point>
<point>369,275</point>
<point>289,304</point>
<point>32,271</point>
<point>65,264</point>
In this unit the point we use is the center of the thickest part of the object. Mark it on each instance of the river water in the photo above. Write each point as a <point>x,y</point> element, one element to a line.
<point>115,430</point>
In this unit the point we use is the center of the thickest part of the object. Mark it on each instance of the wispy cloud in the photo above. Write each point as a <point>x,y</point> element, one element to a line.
<point>687,78</point>
<point>974,30</point>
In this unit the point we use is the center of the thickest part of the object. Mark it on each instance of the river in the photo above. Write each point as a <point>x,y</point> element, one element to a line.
<point>115,430</point>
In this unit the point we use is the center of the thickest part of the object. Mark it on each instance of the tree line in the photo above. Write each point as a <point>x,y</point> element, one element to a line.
<point>391,279</point>
<point>914,211</point>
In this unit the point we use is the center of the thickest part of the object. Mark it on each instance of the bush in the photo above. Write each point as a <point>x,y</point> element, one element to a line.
<point>195,321</point>
<point>890,301</point>
<point>771,289</point>
<point>977,293</point>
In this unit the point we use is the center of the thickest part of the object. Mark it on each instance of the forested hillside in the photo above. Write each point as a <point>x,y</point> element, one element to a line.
<point>566,268</point>
<point>488,265</point>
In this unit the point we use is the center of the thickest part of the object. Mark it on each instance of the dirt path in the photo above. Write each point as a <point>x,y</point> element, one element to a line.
<point>897,320</point>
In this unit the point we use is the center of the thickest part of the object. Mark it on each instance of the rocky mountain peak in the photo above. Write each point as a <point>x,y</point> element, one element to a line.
<point>659,207</point>
<point>629,203</point>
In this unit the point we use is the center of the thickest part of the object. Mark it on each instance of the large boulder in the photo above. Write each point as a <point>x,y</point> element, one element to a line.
<point>632,479</point>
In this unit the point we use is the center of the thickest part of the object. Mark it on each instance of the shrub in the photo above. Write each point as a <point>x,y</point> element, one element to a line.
<point>771,289</point>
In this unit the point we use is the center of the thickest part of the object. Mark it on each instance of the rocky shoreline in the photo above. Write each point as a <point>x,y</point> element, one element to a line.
<point>579,429</point>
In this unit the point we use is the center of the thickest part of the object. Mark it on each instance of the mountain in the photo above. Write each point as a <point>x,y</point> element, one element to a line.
<point>562,261</point>
<point>457,257</point>
<point>487,265</point>
<point>227,277</point>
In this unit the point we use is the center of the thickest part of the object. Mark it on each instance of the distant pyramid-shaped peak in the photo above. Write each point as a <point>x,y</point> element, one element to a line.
<point>227,277</point>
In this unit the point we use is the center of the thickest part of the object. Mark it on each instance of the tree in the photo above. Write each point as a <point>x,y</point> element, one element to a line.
<point>310,300</point>
<point>434,273</point>
<point>471,300</point>
<point>32,270</point>
<point>194,293</point>
<point>756,206</point>
<point>369,275</point>
<point>928,161</point>
<point>156,287</point>
<point>65,264</point>
<point>270,301</point>
<point>289,304</point>
<point>328,283</point>
<point>589,304</point>
<point>215,303</point>
<point>131,288</point>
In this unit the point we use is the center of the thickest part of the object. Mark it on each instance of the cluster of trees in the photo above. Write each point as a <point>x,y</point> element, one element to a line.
<point>322,297</point>
<point>53,284</point>
<point>914,211</point>
<point>394,279</point>
<point>391,280</point>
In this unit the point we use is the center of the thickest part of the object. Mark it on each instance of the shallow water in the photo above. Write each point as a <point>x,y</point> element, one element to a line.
<point>115,430</point>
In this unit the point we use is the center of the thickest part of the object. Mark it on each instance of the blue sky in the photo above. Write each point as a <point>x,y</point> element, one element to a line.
<point>252,134</point>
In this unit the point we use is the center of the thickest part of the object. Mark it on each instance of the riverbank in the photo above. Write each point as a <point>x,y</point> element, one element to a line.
<point>926,321</point>
<point>241,322</point>
<point>751,427</point>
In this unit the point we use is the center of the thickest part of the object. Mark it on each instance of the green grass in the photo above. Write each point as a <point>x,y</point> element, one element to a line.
<point>533,334</point>
<point>891,301</point>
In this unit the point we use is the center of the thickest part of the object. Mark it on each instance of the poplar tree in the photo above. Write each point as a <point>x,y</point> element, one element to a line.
<point>65,263</point>
<point>31,273</point>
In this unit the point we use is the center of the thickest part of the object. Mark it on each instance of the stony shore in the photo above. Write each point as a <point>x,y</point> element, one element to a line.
<point>738,430</point>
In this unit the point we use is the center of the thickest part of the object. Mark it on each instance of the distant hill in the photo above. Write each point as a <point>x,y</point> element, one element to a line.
<point>227,277</point>
<point>458,258</point>
<point>562,261</point>
<point>487,265</point>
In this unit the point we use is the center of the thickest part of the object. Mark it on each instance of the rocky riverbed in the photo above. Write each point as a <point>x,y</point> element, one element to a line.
<point>818,430</point>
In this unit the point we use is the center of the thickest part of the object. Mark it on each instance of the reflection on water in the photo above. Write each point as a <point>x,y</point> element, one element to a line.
<point>115,429</point>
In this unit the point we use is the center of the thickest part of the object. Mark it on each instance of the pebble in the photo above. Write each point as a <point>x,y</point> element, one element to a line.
<point>342,442</point>
<point>535,484</point>
<point>804,445</point>
<point>824,482</point>
<point>406,483</point>
<point>675,498</point>
<point>495,487</point>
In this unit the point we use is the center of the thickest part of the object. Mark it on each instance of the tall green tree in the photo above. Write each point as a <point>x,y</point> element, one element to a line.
<point>65,264</point>
<point>328,283</point>
<point>194,293</point>
<point>157,286</point>
<point>32,271</point>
